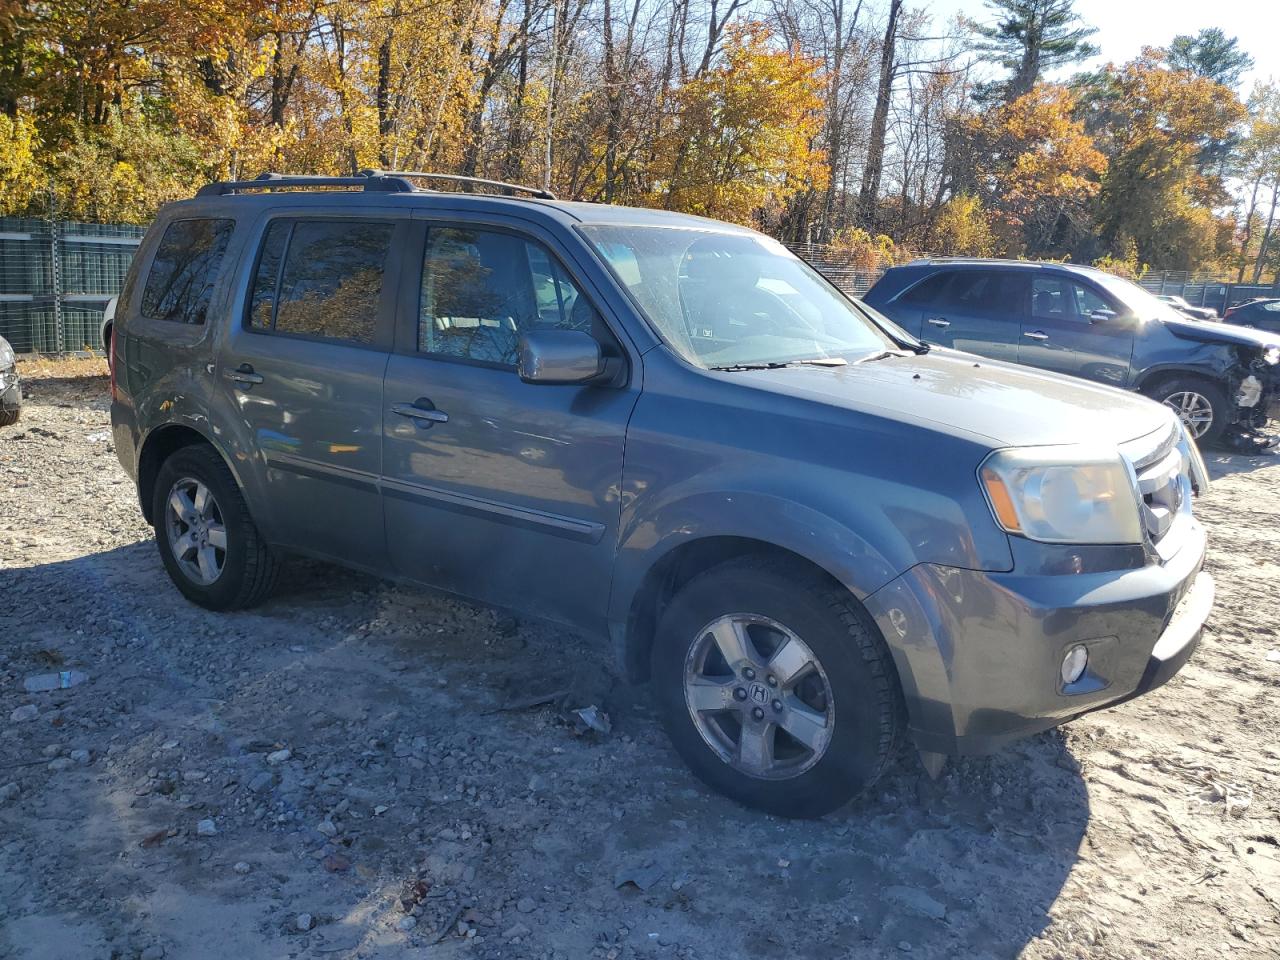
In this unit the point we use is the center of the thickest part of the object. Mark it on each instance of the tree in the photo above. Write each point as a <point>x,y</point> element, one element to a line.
<point>1154,192</point>
<point>1210,54</point>
<point>746,130</point>
<point>1031,37</point>
<point>1260,169</point>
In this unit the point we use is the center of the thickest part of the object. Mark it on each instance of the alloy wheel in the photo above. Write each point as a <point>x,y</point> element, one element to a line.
<point>1193,409</point>
<point>758,696</point>
<point>196,531</point>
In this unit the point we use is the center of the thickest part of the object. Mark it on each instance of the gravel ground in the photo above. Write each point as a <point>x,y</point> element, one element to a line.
<point>355,770</point>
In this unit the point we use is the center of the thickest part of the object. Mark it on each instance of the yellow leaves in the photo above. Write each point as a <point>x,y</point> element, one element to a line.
<point>963,228</point>
<point>20,174</point>
<point>745,130</point>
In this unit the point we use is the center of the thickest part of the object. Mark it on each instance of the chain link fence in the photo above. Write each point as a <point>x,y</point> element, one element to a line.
<point>55,279</point>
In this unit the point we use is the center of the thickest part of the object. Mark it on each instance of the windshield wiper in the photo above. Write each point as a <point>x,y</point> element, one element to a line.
<point>779,364</point>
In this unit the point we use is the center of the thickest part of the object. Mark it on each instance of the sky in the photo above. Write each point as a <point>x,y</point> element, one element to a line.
<point>1126,26</point>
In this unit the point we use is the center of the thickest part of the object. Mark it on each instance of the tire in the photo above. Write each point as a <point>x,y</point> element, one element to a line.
<point>9,417</point>
<point>1176,392</point>
<point>786,601</point>
<point>248,568</point>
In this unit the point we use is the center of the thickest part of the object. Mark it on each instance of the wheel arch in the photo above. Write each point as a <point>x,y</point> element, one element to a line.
<point>635,633</point>
<point>162,443</point>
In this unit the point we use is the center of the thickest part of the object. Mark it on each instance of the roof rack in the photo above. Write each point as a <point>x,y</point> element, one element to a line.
<point>274,181</point>
<point>457,178</point>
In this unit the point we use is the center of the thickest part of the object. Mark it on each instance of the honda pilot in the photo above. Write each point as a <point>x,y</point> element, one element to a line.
<point>816,535</point>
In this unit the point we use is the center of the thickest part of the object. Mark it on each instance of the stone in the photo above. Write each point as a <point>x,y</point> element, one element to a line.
<point>405,924</point>
<point>80,756</point>
<point>917,901</point>
<point>241,867</point>
<point>24,713</point>
<point>206,828</point>
<point>261,782</point>
<point>153,952</point>
<point>327,828</point>
<point>515,930</point>
<point>279,756</point>
<point>61,763</point>
<point>526,905</point>
<point>304,922</point>
<point>10,791</point>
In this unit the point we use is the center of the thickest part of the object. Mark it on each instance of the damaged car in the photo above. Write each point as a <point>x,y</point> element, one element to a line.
<point>10,388</point>
<point>1081,321</point>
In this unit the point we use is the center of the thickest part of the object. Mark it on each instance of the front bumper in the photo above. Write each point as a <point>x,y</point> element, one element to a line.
<point>10,393</point>
<point>979,654</point>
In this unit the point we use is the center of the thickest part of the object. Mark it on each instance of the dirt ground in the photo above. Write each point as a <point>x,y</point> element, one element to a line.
<point>348,771</point>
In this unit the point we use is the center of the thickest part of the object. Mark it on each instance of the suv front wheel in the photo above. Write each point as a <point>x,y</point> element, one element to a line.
<point>1200,404</point>
<point>775,687</point>
<point>207,540</point>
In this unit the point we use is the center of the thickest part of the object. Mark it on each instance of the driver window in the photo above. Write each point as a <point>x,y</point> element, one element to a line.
<point>1057,298</point>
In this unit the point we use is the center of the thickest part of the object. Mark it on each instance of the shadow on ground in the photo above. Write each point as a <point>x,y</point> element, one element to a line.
<point>519,828</point>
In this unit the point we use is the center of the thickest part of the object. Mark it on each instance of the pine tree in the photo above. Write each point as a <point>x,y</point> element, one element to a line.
<point>1031,37</point>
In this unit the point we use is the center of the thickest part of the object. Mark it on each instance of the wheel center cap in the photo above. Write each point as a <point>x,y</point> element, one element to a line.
<point>758,693</point>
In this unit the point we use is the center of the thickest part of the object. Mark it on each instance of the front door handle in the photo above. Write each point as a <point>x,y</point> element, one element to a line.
<point>243,374</point>
<point>421,409</point>
<point>1036,335</point>
<point>938,322</point>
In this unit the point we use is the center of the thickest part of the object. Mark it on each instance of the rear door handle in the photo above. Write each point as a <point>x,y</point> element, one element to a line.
<point>243,374</point>
<point>1036,335</point>
<point>938,322</point>
<point>421,409</point>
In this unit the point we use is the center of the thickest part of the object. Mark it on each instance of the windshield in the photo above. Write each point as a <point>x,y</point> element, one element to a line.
<point>1143,305</point>
<point>724,300</point>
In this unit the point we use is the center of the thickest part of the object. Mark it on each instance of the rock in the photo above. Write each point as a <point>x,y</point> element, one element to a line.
<point>80,756</point>
<point>279,756</point>
<point>526,905</point>
<point>304,922</point>
<point>61,763</point>
<point>327,828</point>
<point>28,712</point>
<point>206,828</point>
<point>515,930</point>
<point>336,863</point>
<point>405,924</point>
<point>241,867</point>
<point>153,952</point>
<point>642,877</point>
<point>917,901</point>
<point>261,782</point>
<point>10,791</point>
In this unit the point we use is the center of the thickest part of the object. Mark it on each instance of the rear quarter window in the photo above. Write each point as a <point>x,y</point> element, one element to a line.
<point>927,291</point>
<point>185,269</point>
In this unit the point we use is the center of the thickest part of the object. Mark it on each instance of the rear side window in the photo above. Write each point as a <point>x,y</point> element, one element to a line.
<point>482,288</point>
<point>185,269</point>
<point>321,279</point>
<point>987,293</point>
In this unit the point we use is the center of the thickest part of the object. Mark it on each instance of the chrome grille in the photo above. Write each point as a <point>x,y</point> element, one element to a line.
<point>1162,471</point>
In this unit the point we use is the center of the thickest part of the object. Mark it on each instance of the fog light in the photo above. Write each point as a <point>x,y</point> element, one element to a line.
<point>1073,665</point>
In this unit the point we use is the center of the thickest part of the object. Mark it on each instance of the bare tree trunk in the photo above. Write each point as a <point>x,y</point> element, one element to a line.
<point>1248,227</point>
<point>1266,235</point>
<point>874,166</point>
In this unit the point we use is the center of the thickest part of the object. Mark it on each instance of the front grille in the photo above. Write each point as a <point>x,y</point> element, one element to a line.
<point>1162,468</point>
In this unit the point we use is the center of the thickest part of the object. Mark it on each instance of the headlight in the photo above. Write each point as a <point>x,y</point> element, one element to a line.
<point>1271,355</point>
<point>7,359</point>
<point>1063,495</point>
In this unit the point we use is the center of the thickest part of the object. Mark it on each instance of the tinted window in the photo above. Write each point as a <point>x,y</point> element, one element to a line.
<point>481,288</point>
<point>927,291</point>
<point>986,293</point>
<point>1056,298</point>
<point>184,270</point>
<point>321,278</point>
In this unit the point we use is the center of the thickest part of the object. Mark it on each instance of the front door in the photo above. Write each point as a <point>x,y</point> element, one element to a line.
<point>1064,331</point>
<point>303,369</point>
<point>496,489</point>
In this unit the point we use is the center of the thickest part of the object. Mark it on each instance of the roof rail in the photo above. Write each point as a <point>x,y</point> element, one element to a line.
<point>457,178</point>
<point>366,180</point>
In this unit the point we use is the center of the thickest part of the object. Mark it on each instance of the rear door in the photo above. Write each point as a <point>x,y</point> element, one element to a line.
<point>977,311</point>
<point>1063,333</point>
<point>302,368</point>
<point>510,493</point>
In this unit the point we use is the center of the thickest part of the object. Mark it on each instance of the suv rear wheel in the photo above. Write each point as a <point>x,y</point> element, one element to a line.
<point>1200,404</point>
<point>776,687</point>
<point>207,540</point>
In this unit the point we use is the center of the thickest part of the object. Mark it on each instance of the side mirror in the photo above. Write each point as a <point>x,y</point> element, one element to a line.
<point>559,356</point>
<point>1102,316</point>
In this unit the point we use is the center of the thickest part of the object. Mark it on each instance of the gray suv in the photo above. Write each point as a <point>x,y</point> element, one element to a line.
<point>815,534</point>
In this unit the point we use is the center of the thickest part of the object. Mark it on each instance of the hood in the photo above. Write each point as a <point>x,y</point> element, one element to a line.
<point>1002,403</point>
<point>1225,332</point>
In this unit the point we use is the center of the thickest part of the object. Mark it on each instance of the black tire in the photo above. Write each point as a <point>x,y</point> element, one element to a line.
<point>9,417</point>
<point>1164,389</point>
<point>865,695</point>
<point>250,569</point>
